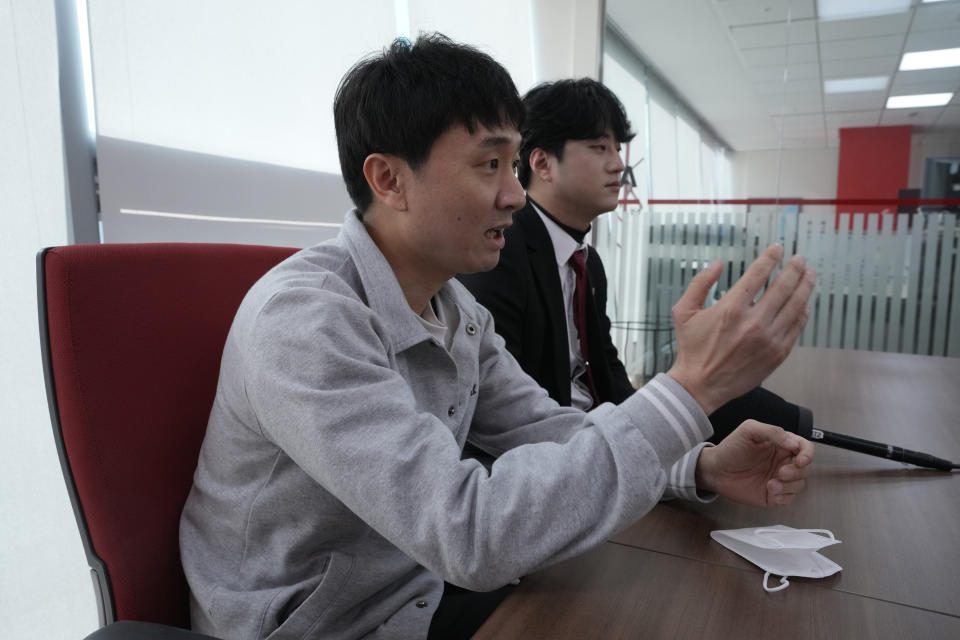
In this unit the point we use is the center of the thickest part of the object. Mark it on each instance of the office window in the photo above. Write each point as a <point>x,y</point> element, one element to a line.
<point>663,146</point>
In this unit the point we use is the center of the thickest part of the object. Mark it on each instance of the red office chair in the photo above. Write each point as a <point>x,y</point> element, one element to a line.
<point>132,337</point>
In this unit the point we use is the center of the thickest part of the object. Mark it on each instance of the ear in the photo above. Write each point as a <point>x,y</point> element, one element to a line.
<point>383,174</point>
<point>542,164</point>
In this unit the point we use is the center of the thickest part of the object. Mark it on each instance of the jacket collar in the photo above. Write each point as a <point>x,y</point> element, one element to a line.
<point>382,289</point>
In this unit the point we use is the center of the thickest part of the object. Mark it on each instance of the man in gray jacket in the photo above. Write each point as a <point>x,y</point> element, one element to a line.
<point>330,499</point>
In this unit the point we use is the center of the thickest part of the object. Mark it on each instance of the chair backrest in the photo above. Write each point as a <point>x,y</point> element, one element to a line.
<point>132,338</point>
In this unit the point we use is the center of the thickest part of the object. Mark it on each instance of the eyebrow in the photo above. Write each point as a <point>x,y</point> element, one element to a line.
<point>495,141</point>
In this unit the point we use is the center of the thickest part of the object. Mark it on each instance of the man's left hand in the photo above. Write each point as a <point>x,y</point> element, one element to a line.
<point>757,464</point>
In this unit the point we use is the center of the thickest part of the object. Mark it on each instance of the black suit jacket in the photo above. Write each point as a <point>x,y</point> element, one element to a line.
<point>523,293</point>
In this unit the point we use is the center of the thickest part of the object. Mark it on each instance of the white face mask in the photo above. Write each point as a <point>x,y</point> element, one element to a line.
<point>782,551</point>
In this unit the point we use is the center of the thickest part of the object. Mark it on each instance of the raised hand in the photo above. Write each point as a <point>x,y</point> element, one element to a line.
<point>727,349</point>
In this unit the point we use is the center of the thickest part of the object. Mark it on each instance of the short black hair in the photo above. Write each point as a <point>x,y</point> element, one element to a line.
<point>568,110</point>
<point>400,100</point>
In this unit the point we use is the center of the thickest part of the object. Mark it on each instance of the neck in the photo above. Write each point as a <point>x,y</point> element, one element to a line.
<point>560,209</point>
<point>576,234</point>
<point>417,287</point>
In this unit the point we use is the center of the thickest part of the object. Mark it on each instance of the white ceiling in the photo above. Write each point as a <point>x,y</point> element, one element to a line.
<point>727,59</point>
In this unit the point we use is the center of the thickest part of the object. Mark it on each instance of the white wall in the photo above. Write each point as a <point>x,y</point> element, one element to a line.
<point>812,173</point>
<point>45,588</point>
<point>565,38</point>
<point>803,173</point>
<point>790,173</point>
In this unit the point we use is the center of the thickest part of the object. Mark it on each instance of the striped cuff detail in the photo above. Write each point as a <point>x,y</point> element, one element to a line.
<point>681,478</point>
<point>674,401</point>
<point>687,428</point>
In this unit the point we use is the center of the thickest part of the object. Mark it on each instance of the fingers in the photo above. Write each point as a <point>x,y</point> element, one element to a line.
<point>801,448</point>
<point>783,288</point>
<point>792,472</point>
<point>790,478</point>
<point>755,278</point>
<point>696,293</point>
<point>792,316</point>
<point>781,493</point>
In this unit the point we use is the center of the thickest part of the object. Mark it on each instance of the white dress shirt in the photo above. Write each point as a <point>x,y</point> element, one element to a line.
<point>563,247</point>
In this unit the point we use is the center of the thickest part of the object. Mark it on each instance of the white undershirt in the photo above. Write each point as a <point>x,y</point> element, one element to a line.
<point>442,323</point>
<point>563,248</point>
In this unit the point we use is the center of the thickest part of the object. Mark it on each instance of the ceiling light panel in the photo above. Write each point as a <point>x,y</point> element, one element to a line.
<point>847,9</point>
<point>920,100</point>
<point>935,59</point>
<point>853,85</point>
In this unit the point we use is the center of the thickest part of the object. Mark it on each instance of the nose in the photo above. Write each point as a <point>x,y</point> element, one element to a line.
<point>511,195</point>
<point>616,162</point>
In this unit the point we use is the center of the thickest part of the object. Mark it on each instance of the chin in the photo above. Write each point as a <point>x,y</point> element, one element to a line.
<point>483,265</point>
<point>611,205</point>
<point>606,205</point>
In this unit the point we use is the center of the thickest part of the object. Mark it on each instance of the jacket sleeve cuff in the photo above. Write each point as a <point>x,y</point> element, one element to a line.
<point>681,479</point>
<point>683,424</point>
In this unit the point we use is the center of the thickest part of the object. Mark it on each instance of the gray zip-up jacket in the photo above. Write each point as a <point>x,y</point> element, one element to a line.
<point>330,500</point>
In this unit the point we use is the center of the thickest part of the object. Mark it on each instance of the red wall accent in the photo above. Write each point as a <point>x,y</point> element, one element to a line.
<point>874,163</point>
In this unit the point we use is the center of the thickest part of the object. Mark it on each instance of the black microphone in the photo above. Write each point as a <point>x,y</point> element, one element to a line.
<point>765,406</point>
<point>875,448</point>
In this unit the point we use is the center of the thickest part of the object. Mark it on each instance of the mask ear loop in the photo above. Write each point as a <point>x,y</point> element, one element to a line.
<point>825,532</point>
<point>784,583</point>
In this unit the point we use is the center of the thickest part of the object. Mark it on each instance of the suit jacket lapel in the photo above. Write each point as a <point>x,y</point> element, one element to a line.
<point>543,264</point>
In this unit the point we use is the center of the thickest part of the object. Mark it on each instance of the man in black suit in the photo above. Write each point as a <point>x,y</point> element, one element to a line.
<point>570,166</point>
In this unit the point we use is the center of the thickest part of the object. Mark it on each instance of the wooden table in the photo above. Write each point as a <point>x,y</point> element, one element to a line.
<point>665,578</point>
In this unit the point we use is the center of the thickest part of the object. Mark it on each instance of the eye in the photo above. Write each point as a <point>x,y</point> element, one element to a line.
<point>602,148</point>
<point>493,164</point>
<point>516,167</point>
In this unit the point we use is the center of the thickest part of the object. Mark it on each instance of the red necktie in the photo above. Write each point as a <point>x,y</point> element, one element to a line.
<point>579,264</point>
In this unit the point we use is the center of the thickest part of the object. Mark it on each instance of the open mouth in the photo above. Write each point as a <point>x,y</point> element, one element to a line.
<point>494,234</point>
